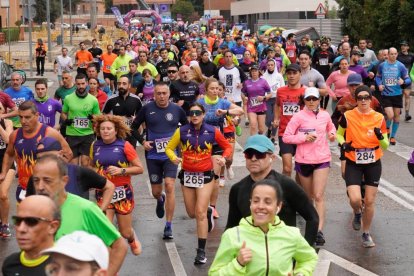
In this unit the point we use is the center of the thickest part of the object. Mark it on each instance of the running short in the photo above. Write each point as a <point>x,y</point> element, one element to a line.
<point>404,86</point>
<point>286,148</point>
<point>371,173</point>
<point>260,113</point>
<point>160,169</point>
<point>392,101</point>
<point>307,170</point>
<point>20,193</point>
<point>270,104</point>
<point>109,76</point>
<point>193,179</point>
<point>230,137</point>
<point>411,168</point>
<point>217,150</point>
<point>342,154</point>
<point>122,201</point>
<point>238,103</point>
<point>80,145</point>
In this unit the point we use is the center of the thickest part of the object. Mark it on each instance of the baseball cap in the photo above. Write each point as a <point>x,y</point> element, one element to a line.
<point>270,49</point>
<point>49,144</point>
<point>293,67</point>
<point>254,67</point>
<point>311,92</point>
<point>354,79</point>
<point>356,52</point>
<point>404,42</point>
<point>260,143</point>
<point>81,246</point>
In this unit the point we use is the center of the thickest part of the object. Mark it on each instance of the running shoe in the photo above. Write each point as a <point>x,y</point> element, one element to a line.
<point>201,257</point>
<point>367,241</point>
<point>160,210</point>
<point>230,173</point>
<point>393,141</point>
<point>210,218</point>
<point>238,131</point>
<point>168,235</point>
<point>222,181</point>
<point>407,117</point>
<point>215,213</point>
<point>356,222</point>
<point>320,239</point>
<point>247,123</point>
<point>135,245</point>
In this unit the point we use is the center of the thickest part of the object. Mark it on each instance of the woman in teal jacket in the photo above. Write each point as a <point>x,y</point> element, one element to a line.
<point>262,244</point>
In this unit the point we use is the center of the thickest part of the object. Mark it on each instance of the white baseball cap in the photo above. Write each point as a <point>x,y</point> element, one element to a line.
<point>311,91</point>
<point>81,246</point>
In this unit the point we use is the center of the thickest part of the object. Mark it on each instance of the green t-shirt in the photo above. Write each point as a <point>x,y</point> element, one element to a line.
<point>149,66</point>
<point>62,92</point>
<point>79,109</point>
<point>121,63</point>
<point>81,214</point>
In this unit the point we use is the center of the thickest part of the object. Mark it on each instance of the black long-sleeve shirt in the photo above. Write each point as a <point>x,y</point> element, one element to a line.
<point>294,200</point>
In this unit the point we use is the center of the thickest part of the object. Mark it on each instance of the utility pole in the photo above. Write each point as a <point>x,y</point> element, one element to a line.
<point>62,30</point>
<point>29,11</point>
<point>70,22</point>
<point>49,43</point>
<point>93,17</point>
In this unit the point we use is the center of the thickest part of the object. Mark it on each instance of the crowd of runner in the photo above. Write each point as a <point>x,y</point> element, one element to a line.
<point>183,97</point>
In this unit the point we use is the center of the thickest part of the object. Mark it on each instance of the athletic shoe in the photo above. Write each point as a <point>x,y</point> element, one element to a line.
<point>222,181</point>
<point>201,257</point>
<point>160,210</point>
<point>393,141</point>
<point>210,218</point>
<point>168,233</point>
<point>356,222</point>
<point>5,231</point>
<point>247,123</point>
<point>273,141</point>
<point>320,239</point>
<point>269,132</point>
<point>135,245</point>
<point>367,241</point>
<point>230,173</point>
<point>215,213</point>
<point>238,131</point>
<point>407,117</point>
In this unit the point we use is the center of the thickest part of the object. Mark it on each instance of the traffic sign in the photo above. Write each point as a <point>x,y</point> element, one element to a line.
<point>320,10</point>
<point>320,16</point>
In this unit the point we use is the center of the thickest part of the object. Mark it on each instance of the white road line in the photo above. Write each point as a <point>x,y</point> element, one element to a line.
<point>175,259</point>
<point>149,188</point>
<point>326,258</point>
<point>401,150</point>
<point>238,156</point>
<point>399,191</point>
<point>396,198</point>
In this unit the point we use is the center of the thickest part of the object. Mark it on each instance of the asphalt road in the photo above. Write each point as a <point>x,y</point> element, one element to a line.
<point>342,254</point>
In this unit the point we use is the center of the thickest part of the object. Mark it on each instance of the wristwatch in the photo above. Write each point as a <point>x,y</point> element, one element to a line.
<point>123,171</point>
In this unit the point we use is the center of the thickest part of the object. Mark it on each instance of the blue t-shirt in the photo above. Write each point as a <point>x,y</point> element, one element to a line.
<point>18,97</point>
<point>239,52</point>
<point>210,116</point>
<point>388,75</point>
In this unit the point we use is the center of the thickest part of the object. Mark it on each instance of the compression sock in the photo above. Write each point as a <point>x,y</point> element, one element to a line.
<point>202,243</point>
<point>168,224</point>
<point>388,123</point>
<point>394,128</point>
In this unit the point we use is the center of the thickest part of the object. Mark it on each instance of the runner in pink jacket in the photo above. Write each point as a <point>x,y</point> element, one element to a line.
<point>310,130</point>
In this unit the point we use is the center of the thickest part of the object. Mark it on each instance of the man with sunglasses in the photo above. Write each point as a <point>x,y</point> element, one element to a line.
<point>172,72</point>
<point>36,223</point>
<point>259,154</point>
<point>162,66</point>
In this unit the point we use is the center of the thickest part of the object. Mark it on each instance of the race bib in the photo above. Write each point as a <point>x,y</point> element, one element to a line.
<point>80,122</point>
<point>2,144</point>
<point>229,89</point>
<point>239,56</point>
<point>108,67</point>
<point>290,108</point>
<point>254,102</point>
<point>390,81</point>
<point>194,179</point>
<point>308,131</point>
<point>96,60</point>
<point>161,144</point>
<point>119,194</point>
<point>128,121</point>
<point>123,68</point>
<point>22,194</point>
<point>323,61</point>
<point>82,65</point>
<point>165,79</point>
<point>364,156</point>
<point>291,54</point>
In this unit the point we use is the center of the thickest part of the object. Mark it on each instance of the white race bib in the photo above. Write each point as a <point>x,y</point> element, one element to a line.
<point>80,122</point>
<point>229,89</point>
<point>2,144</point>
<point>123,68</point>
<point>119,194</point>
<point>239,56</point>
<point>128,121</point>
<point>364,156</point>
<point>194,179</point>
<point>323,61</point>
<point>254,102</point>
<point>161,144</point>
<point>290,108</point>
<point>390,81</point>
<point>22,194</point>
<point>165,79</point>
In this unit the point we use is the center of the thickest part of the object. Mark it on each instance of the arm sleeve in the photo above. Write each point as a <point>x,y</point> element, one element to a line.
<point>223,143</point>
<point>340,135</point>
<point>130,152</point>
<point>384,143</point>
<point>88,179</point>
<point>305,257</point>
<point>234,215</point>
<point>172,145</point>
<point>114,66</point>
<point>378,77</point>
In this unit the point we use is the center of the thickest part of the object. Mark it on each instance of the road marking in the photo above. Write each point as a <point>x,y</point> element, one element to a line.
<point>149,188</point>
<point>326,258</point>
<point>50,83</point>
<point>238,156</point>
<point>401,150</point>
<point>175,259</point>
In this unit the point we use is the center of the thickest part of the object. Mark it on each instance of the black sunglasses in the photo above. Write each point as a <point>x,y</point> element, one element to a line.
<point>195,113</point>
<point>29,221</point>
<point>308,99</point>
<point>362,98</point>
<point>248,154</point>
<point>172,71</point>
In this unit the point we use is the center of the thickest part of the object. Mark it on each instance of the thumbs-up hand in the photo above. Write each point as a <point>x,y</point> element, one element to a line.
<point>245,255</point>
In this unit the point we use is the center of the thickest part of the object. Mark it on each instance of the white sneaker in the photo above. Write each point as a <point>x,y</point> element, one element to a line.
<point>230,173</point>
<point>222,181</point>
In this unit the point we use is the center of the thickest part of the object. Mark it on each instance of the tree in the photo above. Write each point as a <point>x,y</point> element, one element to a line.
<point>41,11</point>
<point>183,7</point>
<point>108,5</point>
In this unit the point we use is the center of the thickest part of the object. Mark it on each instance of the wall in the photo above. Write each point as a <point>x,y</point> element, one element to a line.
<point>15,13</point>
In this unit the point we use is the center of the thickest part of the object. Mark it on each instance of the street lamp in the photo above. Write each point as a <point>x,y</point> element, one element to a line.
<point>61,22</point>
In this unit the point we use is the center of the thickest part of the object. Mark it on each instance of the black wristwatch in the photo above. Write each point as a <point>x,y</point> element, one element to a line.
<point>123,171</point>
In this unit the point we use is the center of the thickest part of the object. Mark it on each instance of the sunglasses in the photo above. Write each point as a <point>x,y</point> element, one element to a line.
<point>29,221</point>
<point>363,98</point>
<point>172,71</point>
<point>259,155</point>
<point>193,113</point>
<point>308,99</point>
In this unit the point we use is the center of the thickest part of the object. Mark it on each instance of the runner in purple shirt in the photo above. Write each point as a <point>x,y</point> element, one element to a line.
<point>256,91</point>
<point>46,106</point>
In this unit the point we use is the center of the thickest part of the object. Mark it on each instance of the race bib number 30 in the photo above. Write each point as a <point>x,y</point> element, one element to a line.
<point>364,156</point>
<point>290,108</point>
<point>161,144</point>
<point>194,179</point>
<point>81,122</point>
<point>119,194</point>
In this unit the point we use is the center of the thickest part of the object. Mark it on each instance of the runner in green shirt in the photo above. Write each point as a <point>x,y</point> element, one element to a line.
<point>120,66</point>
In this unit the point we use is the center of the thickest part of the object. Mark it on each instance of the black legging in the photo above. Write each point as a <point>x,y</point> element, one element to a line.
<point>40,65</point>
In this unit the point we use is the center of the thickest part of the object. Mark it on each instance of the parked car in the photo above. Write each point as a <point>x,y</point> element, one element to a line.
<point>5,74</point>
<point>66,26</point>
<point>81,26</point>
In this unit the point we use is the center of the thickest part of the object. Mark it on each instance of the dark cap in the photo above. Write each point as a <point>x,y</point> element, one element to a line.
<point>354,79</point>
<point>49,144</point>
<point>404,42</point>
<point>293,67</point>
<point>254,67</point>
<point>356,52</point>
